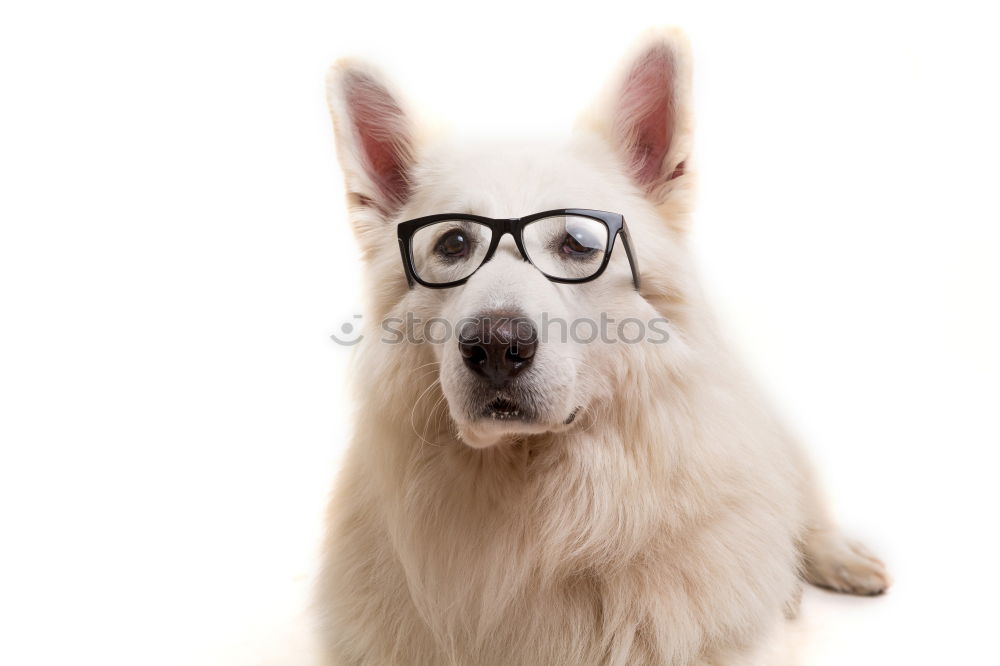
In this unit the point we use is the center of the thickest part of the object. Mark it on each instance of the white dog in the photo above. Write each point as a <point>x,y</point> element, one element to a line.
<point>517,493</point>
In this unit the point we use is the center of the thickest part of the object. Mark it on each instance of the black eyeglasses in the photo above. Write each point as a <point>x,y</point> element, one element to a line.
<point>570,245</point>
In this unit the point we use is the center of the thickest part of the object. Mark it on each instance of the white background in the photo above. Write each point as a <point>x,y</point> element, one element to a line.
<point>174,255</point>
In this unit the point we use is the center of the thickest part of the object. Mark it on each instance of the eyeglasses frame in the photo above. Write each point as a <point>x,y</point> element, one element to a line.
<point>614,222</point>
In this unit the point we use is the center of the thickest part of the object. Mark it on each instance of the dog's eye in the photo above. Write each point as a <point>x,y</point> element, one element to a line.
<point>578,243</point>
<point>452,244</point>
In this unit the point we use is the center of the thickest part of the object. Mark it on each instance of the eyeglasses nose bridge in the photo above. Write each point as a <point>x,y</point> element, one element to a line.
<point>512,226</point>
<point>509,226</point>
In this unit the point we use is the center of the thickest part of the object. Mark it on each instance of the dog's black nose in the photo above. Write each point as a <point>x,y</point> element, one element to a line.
<point>497,346</point>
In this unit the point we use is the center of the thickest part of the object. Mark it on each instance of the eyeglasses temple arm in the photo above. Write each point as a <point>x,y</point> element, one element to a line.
<point>632,262</point>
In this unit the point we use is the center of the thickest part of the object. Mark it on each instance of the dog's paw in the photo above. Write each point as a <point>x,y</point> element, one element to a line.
<point>835,563</point>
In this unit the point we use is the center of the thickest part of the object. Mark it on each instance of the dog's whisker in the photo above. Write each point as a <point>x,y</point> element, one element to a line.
<point>426,365</point>
<point>413,410</point>
<point>432,411</point>
<point>437,419</point>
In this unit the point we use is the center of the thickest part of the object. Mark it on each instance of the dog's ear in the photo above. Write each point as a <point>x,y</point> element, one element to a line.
<point>645,112</point>
<point>375,143</point>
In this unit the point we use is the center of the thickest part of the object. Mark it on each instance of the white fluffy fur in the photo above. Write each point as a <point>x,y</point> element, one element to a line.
<point>670,523</point>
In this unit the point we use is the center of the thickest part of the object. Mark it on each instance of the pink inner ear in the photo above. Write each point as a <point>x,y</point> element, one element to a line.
<point>644,123</point>
<point>383,136</point>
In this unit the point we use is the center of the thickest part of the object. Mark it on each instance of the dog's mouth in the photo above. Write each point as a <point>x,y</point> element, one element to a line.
<point>487,415</point>
<point>504,409</point>
<point>504,415</point>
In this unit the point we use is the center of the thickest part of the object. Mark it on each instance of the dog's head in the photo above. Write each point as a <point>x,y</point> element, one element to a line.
<point>516,351</point>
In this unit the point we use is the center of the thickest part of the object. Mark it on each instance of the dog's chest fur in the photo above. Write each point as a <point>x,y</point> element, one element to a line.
<point>633,540</point>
